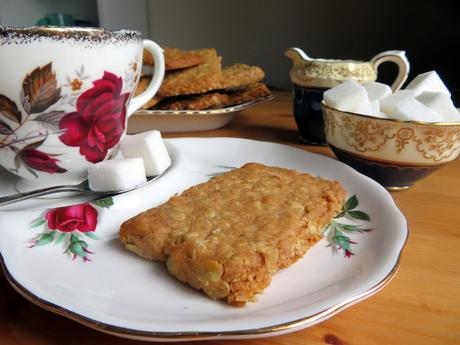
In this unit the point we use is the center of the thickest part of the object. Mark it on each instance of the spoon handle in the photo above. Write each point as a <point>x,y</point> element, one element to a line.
<point>9,199</point>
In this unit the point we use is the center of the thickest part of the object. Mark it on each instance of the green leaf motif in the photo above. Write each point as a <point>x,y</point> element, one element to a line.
<point>60,238</point>
<point>351,203</point>
<point>103,203</point>
<point>360,215</point>
<point>36,223</point>
<point>74,238</point>
<point>91,235</point>
<point>350,228</point>
<point>342,241</point>
<point>335,231</point>
<point>77,248</point>
<point>45,239</point>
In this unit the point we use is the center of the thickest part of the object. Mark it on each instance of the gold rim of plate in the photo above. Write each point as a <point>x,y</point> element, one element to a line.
<point>205,335</point>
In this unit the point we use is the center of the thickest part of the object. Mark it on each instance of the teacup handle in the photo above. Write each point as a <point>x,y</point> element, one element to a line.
<point>155,83</point>
<point>399,58</point>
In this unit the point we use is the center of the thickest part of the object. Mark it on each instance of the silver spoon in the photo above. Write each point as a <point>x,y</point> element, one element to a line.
<point>82,187</point>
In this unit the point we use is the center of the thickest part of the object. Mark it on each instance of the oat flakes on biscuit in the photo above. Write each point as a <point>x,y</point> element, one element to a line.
<point>247,94</point>
<point>230,235</point>
<point>213,100</point>
<point>175,58</point>
<point>199,102</point>
<point>237,75</point>
<point>198,79</point>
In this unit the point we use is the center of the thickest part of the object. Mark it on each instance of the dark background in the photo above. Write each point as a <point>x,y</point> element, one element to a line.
<point>258,32</point>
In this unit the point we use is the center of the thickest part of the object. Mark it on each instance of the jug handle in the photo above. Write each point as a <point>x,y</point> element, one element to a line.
<point>297,54</point>
<point>400,59</point>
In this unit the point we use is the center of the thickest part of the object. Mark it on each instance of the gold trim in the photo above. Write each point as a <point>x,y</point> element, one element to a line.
<point>397,164</point>
<point>454,124</point>
<point>183,336</point>
<point>398,189</point>
<point>69,31</point>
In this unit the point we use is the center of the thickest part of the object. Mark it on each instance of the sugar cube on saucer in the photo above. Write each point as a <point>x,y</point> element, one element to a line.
<point>116,175</point>
<point>389,103</point>
<point>441,103</point>
<point>377,91</point>
<point>412,110</point>
<point>429,81</point>
<point>150,147</point>
<point>346,96</point>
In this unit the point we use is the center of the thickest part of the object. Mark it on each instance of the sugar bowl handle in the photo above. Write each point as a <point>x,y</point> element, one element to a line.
<point>400,59</point>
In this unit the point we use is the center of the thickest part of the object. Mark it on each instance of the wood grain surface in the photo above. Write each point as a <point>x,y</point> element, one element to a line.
<point>421,305</point>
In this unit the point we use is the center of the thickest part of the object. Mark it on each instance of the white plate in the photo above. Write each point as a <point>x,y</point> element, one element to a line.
<point>185,120</point>
<point>122,294</point>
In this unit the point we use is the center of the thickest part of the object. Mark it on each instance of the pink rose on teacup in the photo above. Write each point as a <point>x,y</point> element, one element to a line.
<point>99,121</point>
<point>81,217</point>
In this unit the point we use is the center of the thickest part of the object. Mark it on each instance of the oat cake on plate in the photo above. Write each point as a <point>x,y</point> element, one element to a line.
<point>230,235</point>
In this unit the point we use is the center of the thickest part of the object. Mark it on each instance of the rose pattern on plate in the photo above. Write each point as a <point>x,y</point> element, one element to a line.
<point>92,120</point>
<point>70,225</point>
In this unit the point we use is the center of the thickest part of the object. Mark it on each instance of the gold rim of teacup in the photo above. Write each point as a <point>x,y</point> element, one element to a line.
<point>68,32</point>
<point>455,124</point>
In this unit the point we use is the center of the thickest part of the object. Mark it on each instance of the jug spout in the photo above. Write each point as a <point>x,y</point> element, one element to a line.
<point>297,55</point>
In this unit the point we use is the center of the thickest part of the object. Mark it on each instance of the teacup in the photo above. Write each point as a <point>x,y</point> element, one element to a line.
<point>65,98</point>
<point>311,77</point>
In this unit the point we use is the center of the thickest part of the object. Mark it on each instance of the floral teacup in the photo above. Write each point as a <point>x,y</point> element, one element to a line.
<point>65,96</point>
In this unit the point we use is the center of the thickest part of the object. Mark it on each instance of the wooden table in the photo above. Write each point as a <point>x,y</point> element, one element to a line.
<point>420,306</point>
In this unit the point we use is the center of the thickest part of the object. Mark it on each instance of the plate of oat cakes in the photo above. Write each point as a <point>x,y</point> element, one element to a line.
<point>168,121</point>
<point>87,274</point>
<point>198,92</point>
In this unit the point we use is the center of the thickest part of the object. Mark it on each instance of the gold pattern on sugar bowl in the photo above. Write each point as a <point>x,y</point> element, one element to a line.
<point>391,140</point>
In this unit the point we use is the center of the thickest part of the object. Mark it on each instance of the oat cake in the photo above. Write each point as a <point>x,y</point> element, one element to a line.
<point>230,235</point>
<point>212,100</point>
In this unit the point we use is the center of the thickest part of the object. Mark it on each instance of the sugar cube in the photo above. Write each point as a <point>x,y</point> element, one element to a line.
<point>412,110</point>
<point>371,109</point>
<point>346,96</point>
<point>150,147</point>
<point>377,91</point>
<point>429,81</point>
<point>440,103</point>
<point>389,103</point>
<point>116,175</point>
